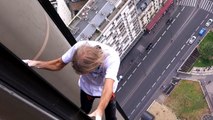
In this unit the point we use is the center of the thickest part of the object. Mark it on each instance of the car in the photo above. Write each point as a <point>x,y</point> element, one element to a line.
<point>149,46</point>
<point>202,31</point>
<point>120,77</point>
<point>169,21</point>
<point>192,39</point>
<point>147,116</point>
<point>209,22</point>
<point>168,88</point>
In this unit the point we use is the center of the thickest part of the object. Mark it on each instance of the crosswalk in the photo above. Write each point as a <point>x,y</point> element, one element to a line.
<point>206,5</point>
<point>187,2</point>
<point>203,4</point>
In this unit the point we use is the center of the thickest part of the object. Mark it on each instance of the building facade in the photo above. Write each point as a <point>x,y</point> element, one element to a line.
<point>117,23</point>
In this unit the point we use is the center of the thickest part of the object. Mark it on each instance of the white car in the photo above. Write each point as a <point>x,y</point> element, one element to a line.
<point>209,22</point>
<point>192,39</point>
<point>120,77</point>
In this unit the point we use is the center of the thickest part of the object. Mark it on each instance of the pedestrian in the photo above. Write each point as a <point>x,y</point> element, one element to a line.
<point>97,64</point>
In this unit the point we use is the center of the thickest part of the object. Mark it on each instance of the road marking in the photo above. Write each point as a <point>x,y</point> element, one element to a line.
<point>124,83</point>
<point>168,66</point>
<point>148,92</point>
<point>183,47</point>
<point>159,78</point>
<point>202,22</point>
<point>139,64</point>
<point>149,51</point>
<point>153,84</point>
<point>129,77</point>
<point>178,15</point>
<point>163,72</point>
<point>168,27</point>
<point>173,21</point>
<point>119,89</point>
<point>163,33</point>
<point>154,45</point>
<point>138,105</point>
<point>132,111</point>
<point>206,16</point>
<point>144,58</point>
<point>134,70</point>
<point>143,98</point>
<point>178,53</point>
<point>182,9</point>
<point>158,39</point>
<point>173,59</point>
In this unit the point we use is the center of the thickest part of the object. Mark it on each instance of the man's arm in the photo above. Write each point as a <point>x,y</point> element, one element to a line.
<point>53,65</point>
<point>105,98</point>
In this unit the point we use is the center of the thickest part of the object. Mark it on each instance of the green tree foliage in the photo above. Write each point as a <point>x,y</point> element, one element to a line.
<point>206,50</point>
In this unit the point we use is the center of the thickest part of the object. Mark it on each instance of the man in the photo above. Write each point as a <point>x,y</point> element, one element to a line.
<point>97,64</point>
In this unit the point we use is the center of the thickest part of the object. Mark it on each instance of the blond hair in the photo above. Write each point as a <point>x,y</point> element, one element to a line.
<point>87,58</point>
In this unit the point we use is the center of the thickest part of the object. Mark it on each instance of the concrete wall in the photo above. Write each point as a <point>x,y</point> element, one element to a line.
<point>29,33</point>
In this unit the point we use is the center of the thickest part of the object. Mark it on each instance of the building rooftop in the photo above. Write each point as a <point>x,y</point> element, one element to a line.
<point>89,18</point>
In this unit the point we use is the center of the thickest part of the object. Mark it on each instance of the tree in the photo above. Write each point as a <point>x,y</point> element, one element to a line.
<point>206,50</point>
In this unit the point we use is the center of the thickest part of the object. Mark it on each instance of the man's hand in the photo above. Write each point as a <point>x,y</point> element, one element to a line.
<point>97,114</point>
<point>56,64</point>
<point>30,63</point>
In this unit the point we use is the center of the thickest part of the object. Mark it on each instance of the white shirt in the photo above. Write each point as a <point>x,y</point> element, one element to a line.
<point>93,82</point>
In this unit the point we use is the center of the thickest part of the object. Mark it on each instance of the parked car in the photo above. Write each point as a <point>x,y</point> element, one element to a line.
<point>169,21</point>
<point>192,39</point>
<point>202,31</point>
<point>168,88</point>
<point>149,46</point>
<point>209,22</point>
<point>120,77</point>
<point>147,116</point>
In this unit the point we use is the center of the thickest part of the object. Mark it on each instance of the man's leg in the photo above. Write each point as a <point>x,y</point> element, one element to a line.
<point>86,102</point>
<point>110,111</point>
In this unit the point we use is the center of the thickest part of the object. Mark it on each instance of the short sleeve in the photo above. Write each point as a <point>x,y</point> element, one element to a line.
<point>113,63</point>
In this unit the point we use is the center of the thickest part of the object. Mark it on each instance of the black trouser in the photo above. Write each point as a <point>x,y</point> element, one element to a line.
<point>87,101</point>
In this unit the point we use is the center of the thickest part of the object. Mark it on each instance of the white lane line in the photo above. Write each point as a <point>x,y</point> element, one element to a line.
<point>149,51</point>
<point>163,33</point>
<point>154,45</point>
<point>139,64</point>
<point>173,59</point>
<point>158,78</point>
<point>134,70</point>
<point>178,53</point>
<point>183,47</point>
<point>207,14</point>
<point>197,28</point>
<point>163,72</point>
<point>182,9</point>
<point>202,22</point>
<point>144,58</point>
<point>153,84</point>
<point>138,105</point>
<point>158,39</point>
<point>143,98</point>
<point>124,83</point>
<point>148,92</point>
<point>119,89</point>
<point>168,66</point>
<point>173,21</point>
<point>178,15</point>
<point>129,77</point>
<point>132,111</point>
<point>168,27</point>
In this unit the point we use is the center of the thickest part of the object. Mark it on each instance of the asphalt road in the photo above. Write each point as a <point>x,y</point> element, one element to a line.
<point>147,71</point>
